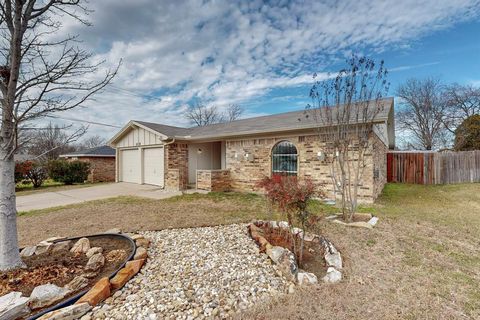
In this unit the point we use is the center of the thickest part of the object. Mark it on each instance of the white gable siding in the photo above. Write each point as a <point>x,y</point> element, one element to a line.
<point>139,136</point>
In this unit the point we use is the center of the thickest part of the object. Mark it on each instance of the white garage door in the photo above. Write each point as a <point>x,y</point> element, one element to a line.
<point>130,166</point>
<point>153,166</point>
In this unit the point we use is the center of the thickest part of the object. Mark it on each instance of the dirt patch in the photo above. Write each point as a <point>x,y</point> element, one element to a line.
<point>313,253</point>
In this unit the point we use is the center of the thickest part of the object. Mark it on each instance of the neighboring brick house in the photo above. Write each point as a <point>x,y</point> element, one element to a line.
<point>102,162</point>
<point>235,155</point>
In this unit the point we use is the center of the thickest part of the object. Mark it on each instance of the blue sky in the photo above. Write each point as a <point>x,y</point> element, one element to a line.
<point>261,55</point>
<point>452,55</point>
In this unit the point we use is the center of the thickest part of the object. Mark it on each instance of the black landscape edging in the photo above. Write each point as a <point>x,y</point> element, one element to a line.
<point>73,299</point>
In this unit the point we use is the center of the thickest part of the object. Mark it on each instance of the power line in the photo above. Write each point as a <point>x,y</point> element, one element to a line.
<point>85,121</point>
<point>133,93</point>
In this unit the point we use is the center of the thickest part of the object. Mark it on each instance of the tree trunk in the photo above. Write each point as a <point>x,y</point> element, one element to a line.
<point>9,253</point>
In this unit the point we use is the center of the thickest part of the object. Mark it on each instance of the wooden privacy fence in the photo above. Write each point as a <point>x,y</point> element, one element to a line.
<point>425,167</point>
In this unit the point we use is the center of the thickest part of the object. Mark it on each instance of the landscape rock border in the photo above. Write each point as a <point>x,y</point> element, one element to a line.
<point>13,305</point>
<point>369,222</point>
<point>285,259</point>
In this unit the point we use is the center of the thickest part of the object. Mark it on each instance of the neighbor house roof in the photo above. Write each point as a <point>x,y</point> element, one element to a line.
<point>289,121</point>
<point>102,151</point>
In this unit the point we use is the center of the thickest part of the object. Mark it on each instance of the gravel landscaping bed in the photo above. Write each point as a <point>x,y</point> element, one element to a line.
<point>196,273</point>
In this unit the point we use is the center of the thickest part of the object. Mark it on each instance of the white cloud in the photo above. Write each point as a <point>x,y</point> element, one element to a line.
<point>232,52</point>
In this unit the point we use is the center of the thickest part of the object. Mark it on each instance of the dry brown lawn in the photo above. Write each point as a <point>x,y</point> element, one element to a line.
<point>421,262</point>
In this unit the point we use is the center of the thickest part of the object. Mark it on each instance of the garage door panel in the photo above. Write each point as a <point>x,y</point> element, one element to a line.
<point>153,170</point>
<point>130,166</point>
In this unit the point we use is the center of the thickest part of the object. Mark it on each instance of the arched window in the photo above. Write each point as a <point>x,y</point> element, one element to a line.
<point>284,159</point>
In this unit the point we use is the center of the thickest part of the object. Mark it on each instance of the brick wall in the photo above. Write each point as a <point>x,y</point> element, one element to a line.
<point>102,169</point>
<point>213,180</point>
<point>245,173</point>
<point>176,164</point>
<point>379,166</point>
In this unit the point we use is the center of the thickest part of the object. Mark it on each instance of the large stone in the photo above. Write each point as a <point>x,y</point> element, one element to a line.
<point>332,276</point>
<point>95,262</point>
<point>136,237</point>
<point>28,251</point>
<point>46,295</point>
<point>142,243</point>
<point>140,253</point>
<point>288,265</point>
<point>360,224</point>
<point>13,306</point>
<point>309,237</point>
<point>122,277</point>
<point>93,251</point>
<point>332,256</point>
<point>373,222</point>
<point>305,278</point>
<point>283,224</point>
<point>99,292</point>
<point>42,248</point>
<point>273,224</point>
<point>78,283</point>
<point>136,265</point>
<point>61,246</point>
<point>360,216</point>
<point>275,253</point>
<point>81,246</point>
<point>72,312</point>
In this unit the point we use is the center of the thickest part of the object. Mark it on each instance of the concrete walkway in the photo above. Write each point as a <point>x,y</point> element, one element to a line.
<point>51,199</point>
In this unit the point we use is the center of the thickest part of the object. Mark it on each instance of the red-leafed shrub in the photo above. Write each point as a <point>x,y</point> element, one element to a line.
<point>33,171</point>
<point>291,196</point>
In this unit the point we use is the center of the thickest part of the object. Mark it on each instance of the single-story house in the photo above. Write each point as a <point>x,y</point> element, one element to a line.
<point>101,159</point>
<point>235,155</point>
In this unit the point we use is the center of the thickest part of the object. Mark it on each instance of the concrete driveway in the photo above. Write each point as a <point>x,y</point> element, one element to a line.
<point>51,199</point>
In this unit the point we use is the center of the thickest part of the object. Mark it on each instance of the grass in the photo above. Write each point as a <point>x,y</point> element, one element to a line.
<point>422,261</point>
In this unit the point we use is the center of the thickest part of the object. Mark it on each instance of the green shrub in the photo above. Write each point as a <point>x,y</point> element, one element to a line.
<point>68,172</point>
<point>467,135</point>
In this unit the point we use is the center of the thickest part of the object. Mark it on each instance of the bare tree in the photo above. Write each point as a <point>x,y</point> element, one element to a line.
<point>202,115</point>
<point>40,74</point>
<point>345,109</point>
<point>50,142</point>
<point>422,113</point>
<point>92,142</point>
<point>233,112</point>
<point>462,102</point>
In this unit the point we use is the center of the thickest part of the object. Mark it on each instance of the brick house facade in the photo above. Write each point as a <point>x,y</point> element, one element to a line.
<point>235,156</point>
<point>101,160</point>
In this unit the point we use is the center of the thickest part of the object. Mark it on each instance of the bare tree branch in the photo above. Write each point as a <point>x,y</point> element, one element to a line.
<point>345,109</point>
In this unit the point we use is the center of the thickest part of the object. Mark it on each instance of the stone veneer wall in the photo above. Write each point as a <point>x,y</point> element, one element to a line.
<point>102,169</point>
<point>176,164</point>
<point>244,173</point>
<point>213,180</point>
<point>379,165</point>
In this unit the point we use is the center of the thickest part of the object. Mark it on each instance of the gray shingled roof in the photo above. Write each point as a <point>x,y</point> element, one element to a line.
<point>102,151</point>
<point>295,120</point>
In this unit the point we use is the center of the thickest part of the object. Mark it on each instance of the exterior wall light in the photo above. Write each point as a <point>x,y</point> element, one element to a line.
<point>199,151</point>
<point>248,156</point>
<point>321,156</point>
